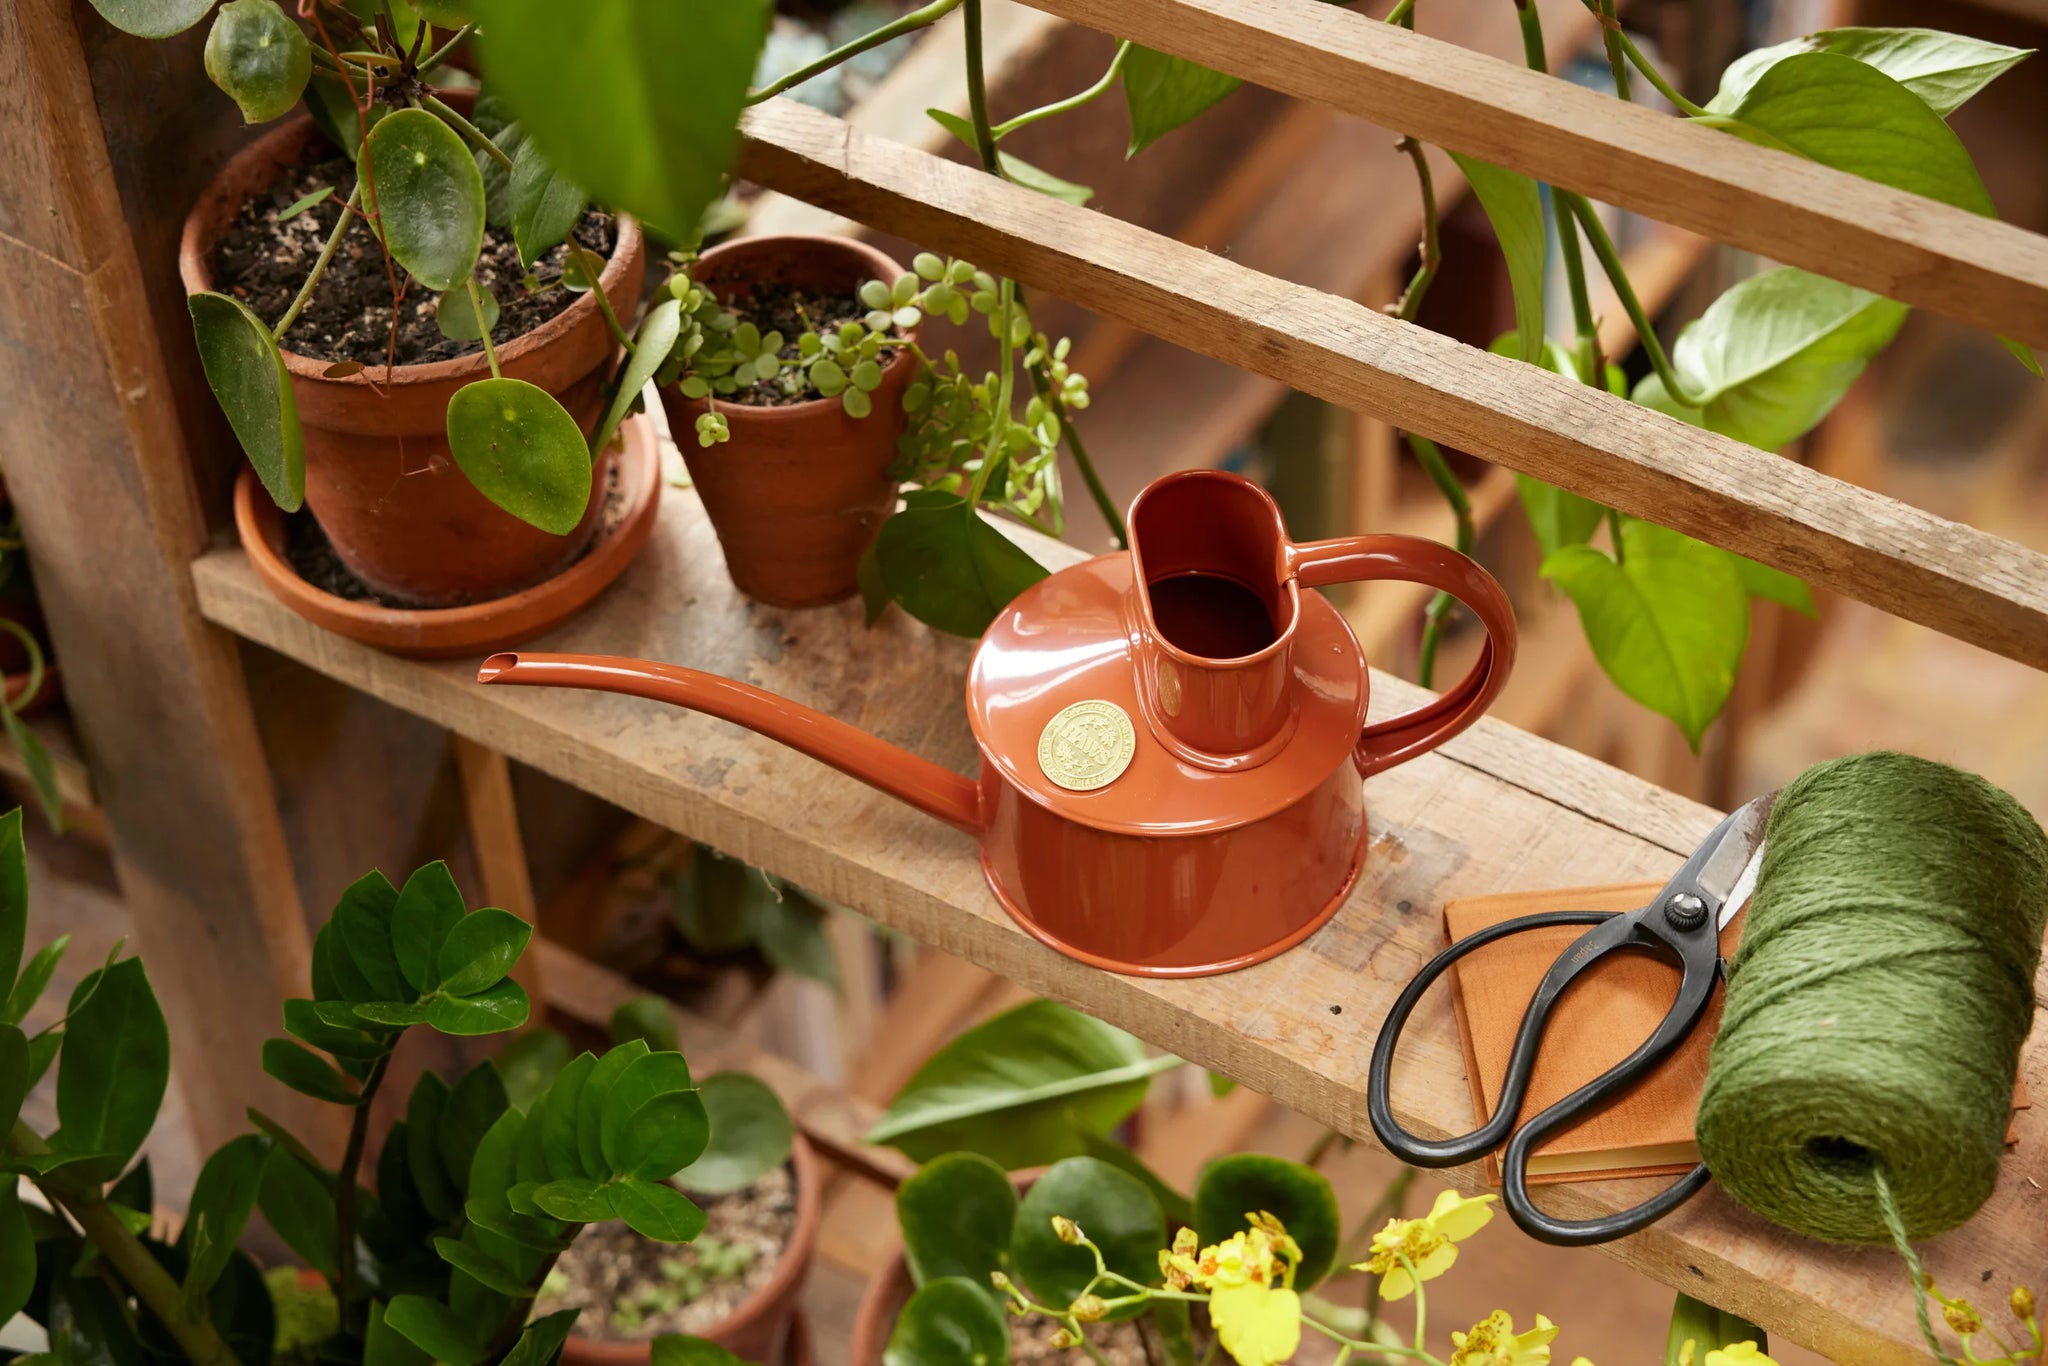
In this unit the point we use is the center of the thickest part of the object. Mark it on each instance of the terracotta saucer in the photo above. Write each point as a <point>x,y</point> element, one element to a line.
<point>479,628</point>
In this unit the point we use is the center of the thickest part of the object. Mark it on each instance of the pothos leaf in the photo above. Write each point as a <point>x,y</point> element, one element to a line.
<point>1943,69</point>
<point>1668,623</point>
<point>1514,205</point>
<point>947,567</point>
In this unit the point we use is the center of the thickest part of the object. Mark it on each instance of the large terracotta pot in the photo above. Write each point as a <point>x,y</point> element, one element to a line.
<point>379,477</point>
<point>797,494</point>
<point>886,1294</point>
<point>761,1329</point>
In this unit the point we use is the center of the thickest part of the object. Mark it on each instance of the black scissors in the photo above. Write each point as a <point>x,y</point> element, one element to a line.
<point>1684,920</point>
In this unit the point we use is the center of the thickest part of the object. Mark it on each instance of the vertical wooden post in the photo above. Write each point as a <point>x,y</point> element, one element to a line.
<point>96,458</point>
<point>500,852</point>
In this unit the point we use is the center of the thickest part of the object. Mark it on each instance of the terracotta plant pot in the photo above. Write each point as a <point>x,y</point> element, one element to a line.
<point>379,477</point>
<point>797,494</point>
<point>763,1327</point>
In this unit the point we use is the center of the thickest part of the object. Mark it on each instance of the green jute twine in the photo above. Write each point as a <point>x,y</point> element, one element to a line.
<point>1878,1002</point>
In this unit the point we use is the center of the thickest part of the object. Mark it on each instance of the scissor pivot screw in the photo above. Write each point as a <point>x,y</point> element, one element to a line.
<point>1685,911</point>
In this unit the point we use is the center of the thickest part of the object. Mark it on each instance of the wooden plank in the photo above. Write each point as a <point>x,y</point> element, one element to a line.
<point>1984,272</point>
<point>1952,577</point>
<point>98,464</point>
<point>1495,809</point>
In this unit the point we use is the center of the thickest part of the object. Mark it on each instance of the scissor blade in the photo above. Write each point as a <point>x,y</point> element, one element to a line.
<point>1745,885</point>
<point>1723,865</point>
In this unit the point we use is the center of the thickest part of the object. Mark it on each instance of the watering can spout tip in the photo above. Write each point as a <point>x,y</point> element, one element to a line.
<point>496,666</point>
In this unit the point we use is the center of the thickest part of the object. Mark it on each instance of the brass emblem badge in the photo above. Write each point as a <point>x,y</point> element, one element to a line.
<point>1087,746</point>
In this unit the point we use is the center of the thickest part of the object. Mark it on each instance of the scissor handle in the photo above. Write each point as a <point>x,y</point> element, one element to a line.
<point>1379,1105</point>
<point>1695,987</point>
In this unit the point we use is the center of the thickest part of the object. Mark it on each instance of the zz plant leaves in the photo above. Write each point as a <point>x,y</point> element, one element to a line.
<point>1943,69</point>
<point>17,1253</point>
<point>957,1213</point>
<point>247,375</point>
<point>947,567</point>
<point>223,1197</point>
<point>1299,1196</point>
<point>299,1208</point>
<point>429,197</point>
<point>638,104</point>
<point>1020,1088</point>
<point>1774,354</point>
<point>750,1134</point>
<point>522,450</point>
<point>949,1322</point>
<point>435,1329</point>
<point>1668,623</point>
<point>423,913</point>
<point>113,1069</point>
<point>298,1068</point>
<point>1112,1207</point>
<point>260,57</point>
<point>1514,205</point>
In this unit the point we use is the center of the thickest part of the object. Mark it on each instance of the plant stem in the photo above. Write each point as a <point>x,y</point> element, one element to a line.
<point>1617,61</point>
<point>1071,102</point>
<point>992,453</point>
<point>1440,473</point>
<point>1421,1304</point>
<point>977,92</point>
<point>1402,14</point>
<point>604,306</point>
<point>345,1290</point>
<point>34,651</point>
<point>1614,532</point>
<point>476,306</point>
<point>193,1331</point>
<point>916,19</point>
<point>1618,38</point>
<point>1432,251</point>
<point>443,52</point>
<point>474,134</point>
<point>291,315</point>
<point>1617,275</point>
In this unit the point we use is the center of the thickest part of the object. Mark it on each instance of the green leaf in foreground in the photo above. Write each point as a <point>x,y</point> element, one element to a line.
<point>152,18</point>
<point>1017,1088</point>
<point>1300,1197</point>
<point>222,1199</point>
<point>751,1135</point>
<point>247,375</point>
<point>1773,355</point>
<point>429,197</point>
<point>522,450</point>
<point>1668,624</point>
<point>1943,69</point>
<point>638,104</point>
<point>956,1213</point>
<point>1112,1207</point>
<point>260,57</point>
<point>1514,205</point>
<point>950,1322</point>
<point>947,567</point>
<point>114,1067</point>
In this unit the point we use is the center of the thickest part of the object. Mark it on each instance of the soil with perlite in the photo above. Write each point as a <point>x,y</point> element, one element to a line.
<point>263,261</point>
<point>633,1289</point>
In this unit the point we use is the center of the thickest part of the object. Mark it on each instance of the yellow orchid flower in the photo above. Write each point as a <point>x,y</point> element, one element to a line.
<point>1427,1243</point>
<point>1739,1354</point>
<point>1493,1341</point>
<point>1257,1323</point>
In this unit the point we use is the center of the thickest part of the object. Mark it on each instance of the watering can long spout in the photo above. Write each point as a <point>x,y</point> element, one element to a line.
<point>925,785</point>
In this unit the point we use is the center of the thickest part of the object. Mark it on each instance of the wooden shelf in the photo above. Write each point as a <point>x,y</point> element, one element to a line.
<point>1495,809</point>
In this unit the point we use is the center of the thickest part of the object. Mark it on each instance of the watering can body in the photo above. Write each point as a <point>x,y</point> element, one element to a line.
<point>1172,738</point>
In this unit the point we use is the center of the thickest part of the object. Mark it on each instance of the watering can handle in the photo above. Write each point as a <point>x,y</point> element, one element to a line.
<point>1357,559</point>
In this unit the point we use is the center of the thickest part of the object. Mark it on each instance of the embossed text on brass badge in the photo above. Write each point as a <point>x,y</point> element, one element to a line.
<point>1087,746</point>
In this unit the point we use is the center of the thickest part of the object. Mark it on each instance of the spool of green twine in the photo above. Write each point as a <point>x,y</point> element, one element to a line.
<point>1877,1004</point>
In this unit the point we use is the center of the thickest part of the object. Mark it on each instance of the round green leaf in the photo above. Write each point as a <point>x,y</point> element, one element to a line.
<point>875,294</point>
<point>750,1134</point>
<point>429,196</point>
<point>650,1019</point>
<point>639,104</point>
<point>455,313</point>
<point>480,949</point>
<point>827,377</point>
<point>152,18</point>
<point>857,404</point>
<point>1116,1211</point>
<point>247,376</point>
<point>260,57</point>
<point>867,376</point>
<point>676,1349</point>
<point>951,1322</point>
<point>956,1213</point>
<point>1299,1197</point>
<point>522,450</point>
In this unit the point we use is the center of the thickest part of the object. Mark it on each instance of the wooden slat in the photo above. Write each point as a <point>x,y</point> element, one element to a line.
<point>1495,809</point>
<point>1916,250</point>
<point>1940,573</point>
<point>496,843</point>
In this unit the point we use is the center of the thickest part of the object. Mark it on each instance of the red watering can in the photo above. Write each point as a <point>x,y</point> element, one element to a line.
<point>1172,738</point>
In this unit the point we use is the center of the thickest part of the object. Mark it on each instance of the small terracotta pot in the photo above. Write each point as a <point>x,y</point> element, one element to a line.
<point>379,477</point>
<point>797,494</point>
<point>762,1328</point>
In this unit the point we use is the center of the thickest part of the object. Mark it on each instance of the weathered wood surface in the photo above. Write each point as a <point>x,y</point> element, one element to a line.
<point>1919,251</point>
<point>1496,809</point>
<point>1959,580</point>
<point>97,462</point>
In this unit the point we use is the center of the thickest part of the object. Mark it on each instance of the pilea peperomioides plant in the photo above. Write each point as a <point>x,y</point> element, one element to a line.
<point>437,1257</point>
